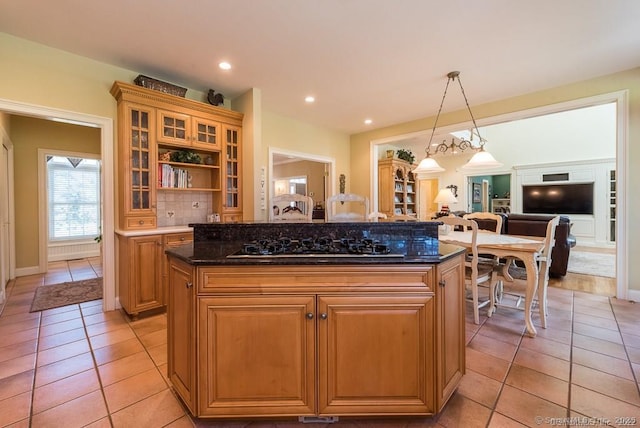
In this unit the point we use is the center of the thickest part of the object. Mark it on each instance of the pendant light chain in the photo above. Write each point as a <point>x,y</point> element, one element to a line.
<point>473,119</point>
<point>433,131</point>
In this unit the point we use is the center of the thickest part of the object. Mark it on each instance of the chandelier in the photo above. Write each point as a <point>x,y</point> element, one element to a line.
<point>481,160</point>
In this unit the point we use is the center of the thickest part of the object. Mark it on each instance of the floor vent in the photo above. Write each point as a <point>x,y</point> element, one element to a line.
<point>317,419</point>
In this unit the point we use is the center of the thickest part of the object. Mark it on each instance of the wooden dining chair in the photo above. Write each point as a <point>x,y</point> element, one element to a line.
<point>345,207</point>
<point>475,273</point>
<point>515,289</point>
<point>292,208</point>
<point>489,219</point>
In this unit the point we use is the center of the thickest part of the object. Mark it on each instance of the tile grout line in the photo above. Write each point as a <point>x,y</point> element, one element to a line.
<point>624,346</point>
<point>95,367</point>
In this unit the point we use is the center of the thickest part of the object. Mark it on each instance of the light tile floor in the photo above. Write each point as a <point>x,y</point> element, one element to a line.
<point>78,366</point>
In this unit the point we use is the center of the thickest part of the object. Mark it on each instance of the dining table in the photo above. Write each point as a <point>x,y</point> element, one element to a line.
<point>527,249</point>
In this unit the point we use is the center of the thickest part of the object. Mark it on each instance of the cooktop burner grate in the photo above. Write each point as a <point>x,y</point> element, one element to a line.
<point>319,247</point>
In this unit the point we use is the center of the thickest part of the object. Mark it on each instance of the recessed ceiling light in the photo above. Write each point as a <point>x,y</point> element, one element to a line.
<point>309,99</point>
<point>368,121</point>
<point>224,65</point>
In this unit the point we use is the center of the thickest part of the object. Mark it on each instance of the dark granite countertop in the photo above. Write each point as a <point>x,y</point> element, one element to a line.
<point>411,242</point>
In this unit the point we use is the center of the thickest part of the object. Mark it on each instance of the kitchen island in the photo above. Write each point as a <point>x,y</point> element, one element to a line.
<point>302,320</point>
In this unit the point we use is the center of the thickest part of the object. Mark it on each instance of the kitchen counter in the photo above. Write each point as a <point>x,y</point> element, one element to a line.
<point>156,231</point>
<point>320,336</point>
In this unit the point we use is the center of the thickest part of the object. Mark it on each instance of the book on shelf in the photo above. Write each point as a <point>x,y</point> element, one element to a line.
<point>170,177</point>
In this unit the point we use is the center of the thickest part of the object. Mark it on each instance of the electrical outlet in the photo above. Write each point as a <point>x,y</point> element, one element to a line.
<point>195,204</point>
<point>170,214</point>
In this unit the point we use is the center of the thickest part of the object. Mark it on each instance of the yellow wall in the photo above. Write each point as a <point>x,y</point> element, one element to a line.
<point>627,80</point>
<point>288,134</point>
<point>28,135</point>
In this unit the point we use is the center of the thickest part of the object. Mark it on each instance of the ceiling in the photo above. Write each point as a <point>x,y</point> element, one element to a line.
<point>379,59</point>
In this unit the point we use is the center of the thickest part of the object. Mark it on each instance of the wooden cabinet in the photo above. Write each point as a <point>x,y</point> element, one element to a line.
<point>232,204</point>
<point>397,188</point>
<point>143,269</point>
<point>181,331</point>
<point>316,340</point>
<point>268,343</point>
<point>152,125</point>
<point>450,334</point>
<point>136,167</point>
<point>375,354</point>
<point>187,130</point>
<point>140,262</point>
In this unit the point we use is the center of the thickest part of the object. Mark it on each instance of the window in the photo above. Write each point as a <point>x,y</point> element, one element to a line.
<point>74,198</point>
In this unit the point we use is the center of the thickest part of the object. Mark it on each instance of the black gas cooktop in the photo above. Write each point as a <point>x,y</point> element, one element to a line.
<point>314,247</point>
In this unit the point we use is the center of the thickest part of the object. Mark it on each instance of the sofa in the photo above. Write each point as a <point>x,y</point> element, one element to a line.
<point>536,225</point>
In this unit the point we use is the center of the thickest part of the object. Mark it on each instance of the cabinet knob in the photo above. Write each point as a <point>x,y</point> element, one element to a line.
<point>188,284</point>
<point>323,316</point>
<point>442,283</point>
<point>140,222</point>
<point>310,315</point>
<point>182,239</point>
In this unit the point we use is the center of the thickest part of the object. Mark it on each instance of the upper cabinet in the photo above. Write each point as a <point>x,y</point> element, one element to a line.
<point>232,204</point>
<point>189,131</point>
<point>169,143</point>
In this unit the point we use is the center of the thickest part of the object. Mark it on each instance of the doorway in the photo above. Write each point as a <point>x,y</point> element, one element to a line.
<point>6,217</point>
<point>105,124</point>
<point>293,167</point>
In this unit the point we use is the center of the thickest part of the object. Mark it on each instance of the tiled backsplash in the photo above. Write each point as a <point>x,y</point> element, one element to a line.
<point>176,208</point>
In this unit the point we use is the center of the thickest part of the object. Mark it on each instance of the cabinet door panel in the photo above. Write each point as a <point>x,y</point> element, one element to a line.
<point>181,333</point>
<point>257,355</point>
<point>451,334</point>
<point>147,271</point>
<point>206,134</point>
<point>375,354</point>
<point>174,128</point>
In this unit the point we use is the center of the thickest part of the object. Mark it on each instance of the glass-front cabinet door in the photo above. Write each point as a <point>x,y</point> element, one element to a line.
<point>138,162</point>
<point>206,134</point>
<point>232,204</point>
<point>174,128</point>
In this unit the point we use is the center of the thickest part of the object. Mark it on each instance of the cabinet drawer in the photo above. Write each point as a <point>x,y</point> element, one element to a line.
<point>177,239</point>
<point>133,223</point>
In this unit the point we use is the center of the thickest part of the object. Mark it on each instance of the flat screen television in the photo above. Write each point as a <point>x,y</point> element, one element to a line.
<point>573,198</point>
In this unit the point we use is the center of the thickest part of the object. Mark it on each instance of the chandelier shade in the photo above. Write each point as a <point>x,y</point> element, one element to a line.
<point>481,160</point>
<point>428,165</point>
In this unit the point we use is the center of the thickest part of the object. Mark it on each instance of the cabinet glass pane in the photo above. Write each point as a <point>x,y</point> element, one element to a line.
<point>135,138</point>
<point>135,201</point>
<point>144,136</point>
<point>145,160</point>
<point>145,200</point>
<point>135,159</point>
<point>135,179</point>
<point>145,179</point>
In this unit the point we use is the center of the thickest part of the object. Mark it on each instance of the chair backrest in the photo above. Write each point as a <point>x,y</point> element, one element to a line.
<point>486,216</point>
<point>344,207</point>
<point>291,207</point>
<point>469,226</point>
<point>550,239</point>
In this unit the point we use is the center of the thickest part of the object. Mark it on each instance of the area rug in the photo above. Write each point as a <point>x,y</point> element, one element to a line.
<point>581,262</point>
<point>67,293</point>
<point>594,264</point>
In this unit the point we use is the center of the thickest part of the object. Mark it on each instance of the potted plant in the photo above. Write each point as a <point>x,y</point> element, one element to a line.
<point>406,155</point>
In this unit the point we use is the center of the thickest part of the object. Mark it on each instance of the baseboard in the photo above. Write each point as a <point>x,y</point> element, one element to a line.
<point>32,270</point>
